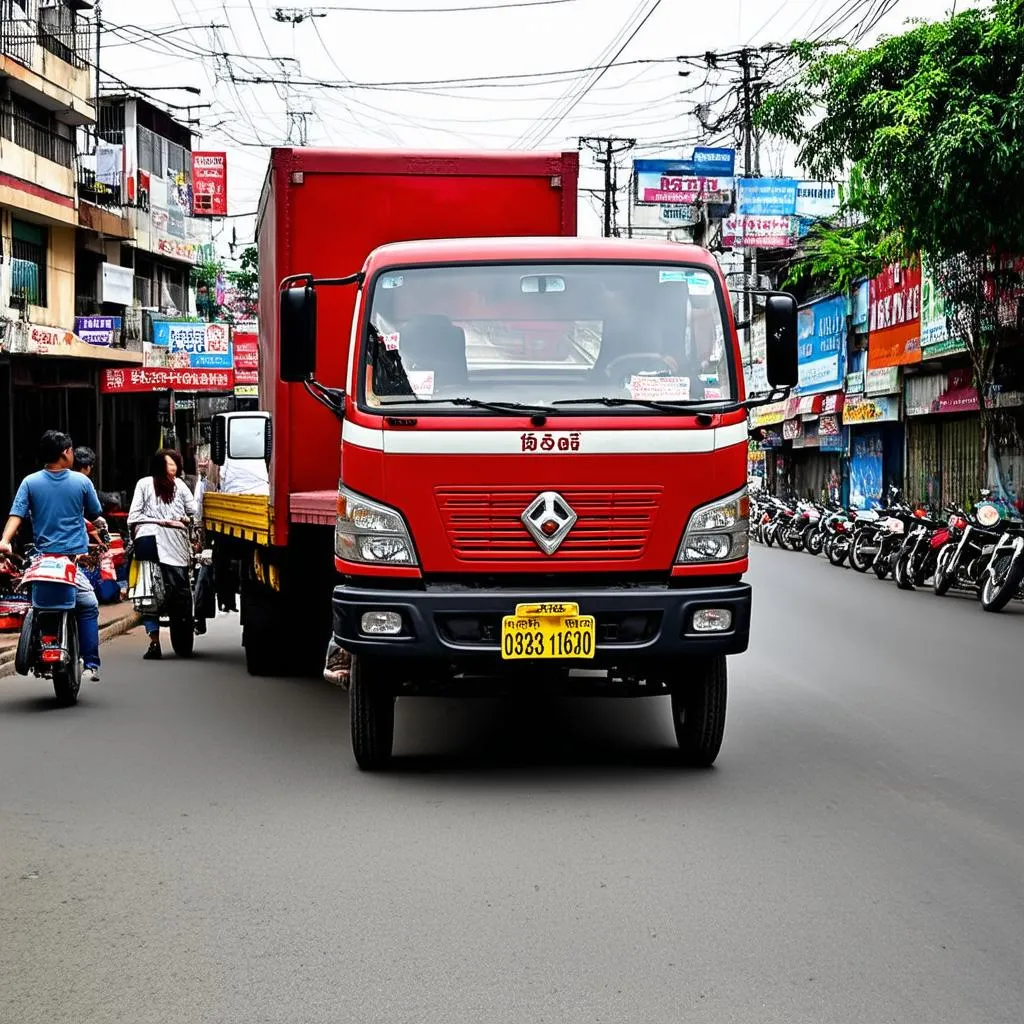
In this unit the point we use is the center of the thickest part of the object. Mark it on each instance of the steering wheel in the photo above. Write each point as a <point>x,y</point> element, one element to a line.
<point>636,360</point>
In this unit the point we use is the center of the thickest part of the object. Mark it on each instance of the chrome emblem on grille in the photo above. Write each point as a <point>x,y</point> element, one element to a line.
<point>549,518</point>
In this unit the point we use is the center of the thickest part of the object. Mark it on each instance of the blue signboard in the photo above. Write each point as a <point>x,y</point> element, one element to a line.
<point>821,336</point>
<point>766,197</point>
<point>664,167</point>
<point>709,162</point>
<point>205,346</point>
<point>866,469</point>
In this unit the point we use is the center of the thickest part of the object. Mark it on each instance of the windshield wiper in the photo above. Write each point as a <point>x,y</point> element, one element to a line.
<point>691,408</point>
<point>479,403</point>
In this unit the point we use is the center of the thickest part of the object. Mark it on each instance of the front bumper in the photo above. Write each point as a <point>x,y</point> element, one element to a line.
<point>455,623</point>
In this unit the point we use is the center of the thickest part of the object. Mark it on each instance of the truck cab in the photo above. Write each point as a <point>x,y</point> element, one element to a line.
<point>542,478</point>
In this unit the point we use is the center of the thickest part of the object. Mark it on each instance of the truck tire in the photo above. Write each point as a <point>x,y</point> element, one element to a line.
<point>372,715</point>
<point>698,711</point>
<point>266,653</point>
<point>183,635</point>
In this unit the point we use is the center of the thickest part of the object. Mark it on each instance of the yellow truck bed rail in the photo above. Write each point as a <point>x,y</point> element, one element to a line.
<point>245,516</point>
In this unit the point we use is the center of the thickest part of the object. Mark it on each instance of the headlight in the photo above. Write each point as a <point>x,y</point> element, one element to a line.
<point>988,515</point>
<point>367,531</point>
<point>717,532</point>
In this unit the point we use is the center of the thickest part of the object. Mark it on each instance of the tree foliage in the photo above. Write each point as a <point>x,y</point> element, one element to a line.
<point>929,127</point>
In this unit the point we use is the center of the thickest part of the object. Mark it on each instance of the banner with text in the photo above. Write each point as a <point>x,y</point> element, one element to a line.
<point>821,337</point>
<point>894,317</point>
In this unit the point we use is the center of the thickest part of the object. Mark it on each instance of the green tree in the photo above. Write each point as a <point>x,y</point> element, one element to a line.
<point>204,280</point>
<point>927,126</point>
<point>246,282</point>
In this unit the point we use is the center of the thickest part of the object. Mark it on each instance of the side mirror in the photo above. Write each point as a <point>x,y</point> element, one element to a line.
<point>780,340</point>
<point>298,333</point>
<point>218,440</point>
<point>268,438</point>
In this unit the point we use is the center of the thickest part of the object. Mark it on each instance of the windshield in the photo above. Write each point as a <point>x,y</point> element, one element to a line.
<point>541,335</point>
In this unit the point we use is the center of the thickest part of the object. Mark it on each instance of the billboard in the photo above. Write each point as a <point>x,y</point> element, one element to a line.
<point>117,381</point>
<point>821,339</point>
<point>195,346</point>
<point>674,181</point>
<point>739,232</point>
<point>767,197</point>
<point>209,184</point>
<point>894,317</point>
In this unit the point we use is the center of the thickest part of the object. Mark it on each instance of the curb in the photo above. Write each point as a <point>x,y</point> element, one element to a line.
<point>117,628</point>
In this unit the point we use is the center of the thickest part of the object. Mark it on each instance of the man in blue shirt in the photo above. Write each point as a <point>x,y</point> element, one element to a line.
<point>58,503</point>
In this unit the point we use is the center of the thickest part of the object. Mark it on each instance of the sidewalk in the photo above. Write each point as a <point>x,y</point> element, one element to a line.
<point>115,619</point>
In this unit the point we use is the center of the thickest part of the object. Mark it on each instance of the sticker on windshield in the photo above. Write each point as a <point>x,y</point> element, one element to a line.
<point>421,382</point>
<point>712,393</point>
<point>664,276</point>
<point>391,341</point>
<point>659,389</point>
<point>392,281</point>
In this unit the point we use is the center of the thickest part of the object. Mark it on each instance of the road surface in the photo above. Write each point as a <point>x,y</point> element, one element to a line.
<point>190,844</point>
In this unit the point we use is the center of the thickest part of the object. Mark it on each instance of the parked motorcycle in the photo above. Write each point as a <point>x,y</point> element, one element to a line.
<point>918,558</point>
<point>972,539</point>
<point>1003,578</point>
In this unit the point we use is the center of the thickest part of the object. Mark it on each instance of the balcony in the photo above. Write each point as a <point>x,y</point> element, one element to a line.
<point>100,189</point>
<point>62,33</point>
<point>37,138</point>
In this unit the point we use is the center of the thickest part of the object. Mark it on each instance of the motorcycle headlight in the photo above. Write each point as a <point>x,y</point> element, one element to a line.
<point>717,532</point>
<point>988,515</point>
<point>367,531</point>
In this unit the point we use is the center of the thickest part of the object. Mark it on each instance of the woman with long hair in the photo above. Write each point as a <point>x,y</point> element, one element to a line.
<point>161,513</point>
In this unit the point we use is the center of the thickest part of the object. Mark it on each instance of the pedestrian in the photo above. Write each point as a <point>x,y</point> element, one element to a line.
<point>160,517</point>
<point>85,460</point>
<point>59,502</point>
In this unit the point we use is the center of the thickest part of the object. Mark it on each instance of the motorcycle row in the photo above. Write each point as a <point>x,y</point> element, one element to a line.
<point>980,550</point>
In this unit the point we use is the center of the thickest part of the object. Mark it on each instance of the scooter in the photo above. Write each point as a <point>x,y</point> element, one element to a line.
<point>48,645</point>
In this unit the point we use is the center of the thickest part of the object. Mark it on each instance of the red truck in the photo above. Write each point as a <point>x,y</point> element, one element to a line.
<point>542,477</point>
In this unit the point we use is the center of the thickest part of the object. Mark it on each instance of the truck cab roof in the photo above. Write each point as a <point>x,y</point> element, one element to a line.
<point>539,250</point>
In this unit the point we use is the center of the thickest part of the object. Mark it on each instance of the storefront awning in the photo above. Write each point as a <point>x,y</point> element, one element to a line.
<point>28,339</point>
<point>815,405</point>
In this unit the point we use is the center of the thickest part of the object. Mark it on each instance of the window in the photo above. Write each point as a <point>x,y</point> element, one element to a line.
<point>29,245</point>
<point>547,335</point>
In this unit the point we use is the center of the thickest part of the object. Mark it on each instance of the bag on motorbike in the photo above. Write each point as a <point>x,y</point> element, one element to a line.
<point>204,594</point>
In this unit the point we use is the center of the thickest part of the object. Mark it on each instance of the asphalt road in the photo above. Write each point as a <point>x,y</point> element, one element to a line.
<point>189,844</point>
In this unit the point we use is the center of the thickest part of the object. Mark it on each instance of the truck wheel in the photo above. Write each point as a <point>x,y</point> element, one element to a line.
<point>698,711</point>
<point>372,715</point>
<point>183,635</point>
<point>266,654</point>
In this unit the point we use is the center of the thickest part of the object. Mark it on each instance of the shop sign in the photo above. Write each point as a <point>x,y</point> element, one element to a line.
<point>894,317</point>
<point>829,425</point>
<point>834,442</point>
<point>882,381</point>
<point>855,382</point>
<point>767,415</point>
<point>801,406</point>
<point>711,161</point>
<point>97,330</point>
<point>247,390</point>
<point>766,197</point>
<point>771,439</point>
<point>210,184</point>
<point>247,358</point>
<point>117,381</point>
<point>178,250</point>
<point>792,429</point>
<point>665,216</point>
<point>756,232</point>
<point>48,341</point>
<point>960,394</point>
<point>817,199</point>
<point>195,346</point>
<point>880,409</point>
<point>677,188</point>
<point>808,437</point>
<point>936,340</point>
<point>821,337</point>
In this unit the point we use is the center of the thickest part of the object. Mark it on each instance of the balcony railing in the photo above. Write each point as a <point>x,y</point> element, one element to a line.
<point>18,38</point>
<point>37,138</point>
<point>100,189</point>
<point>58,30</point>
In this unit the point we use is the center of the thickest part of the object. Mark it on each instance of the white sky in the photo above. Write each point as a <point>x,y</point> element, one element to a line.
<point>646,101</point>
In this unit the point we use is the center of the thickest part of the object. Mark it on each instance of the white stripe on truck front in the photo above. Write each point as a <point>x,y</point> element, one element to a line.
<point>420,441</point>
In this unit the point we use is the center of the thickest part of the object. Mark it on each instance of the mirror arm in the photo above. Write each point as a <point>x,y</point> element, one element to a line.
<point>331,398</point>
<point>311,282</point>
<point>775,395</point>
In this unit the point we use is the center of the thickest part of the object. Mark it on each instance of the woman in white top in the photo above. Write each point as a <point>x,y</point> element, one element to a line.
<point>163,507</point>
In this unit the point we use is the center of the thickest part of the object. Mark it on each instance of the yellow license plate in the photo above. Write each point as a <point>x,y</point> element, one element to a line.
<point>547,631</point>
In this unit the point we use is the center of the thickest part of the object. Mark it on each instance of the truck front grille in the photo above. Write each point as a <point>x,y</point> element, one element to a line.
<point>484,524</point>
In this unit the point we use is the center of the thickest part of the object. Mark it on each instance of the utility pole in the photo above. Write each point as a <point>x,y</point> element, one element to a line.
<point>749,260</point>
<point>99,37</point>
<point>606,148</point>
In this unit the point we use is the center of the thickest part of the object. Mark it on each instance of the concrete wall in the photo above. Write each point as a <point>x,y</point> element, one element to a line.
<point>60,276</point>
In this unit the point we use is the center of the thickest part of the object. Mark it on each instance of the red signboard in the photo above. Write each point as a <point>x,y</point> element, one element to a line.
<point>247,358</point>
<point>894,317</point>
<point>117,381</point>
<point>210,184</point>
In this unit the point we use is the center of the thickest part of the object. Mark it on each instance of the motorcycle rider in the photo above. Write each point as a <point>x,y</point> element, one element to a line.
<point>59,502</point>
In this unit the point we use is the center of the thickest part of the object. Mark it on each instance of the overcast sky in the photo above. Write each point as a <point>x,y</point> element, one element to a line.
<point>547,42</point>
